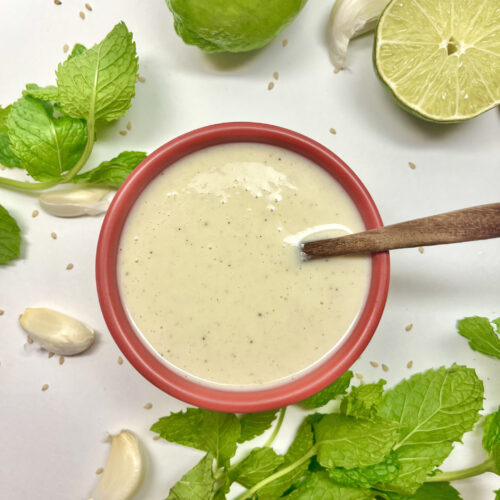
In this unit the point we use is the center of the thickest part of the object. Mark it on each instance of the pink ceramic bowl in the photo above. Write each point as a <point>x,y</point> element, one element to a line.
<point>132,345</point>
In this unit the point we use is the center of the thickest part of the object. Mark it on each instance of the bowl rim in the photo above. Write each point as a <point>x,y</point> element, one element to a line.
<point>140,356</point>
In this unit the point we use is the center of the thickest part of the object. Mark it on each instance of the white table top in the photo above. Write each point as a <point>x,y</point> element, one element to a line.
<point>52,442</point>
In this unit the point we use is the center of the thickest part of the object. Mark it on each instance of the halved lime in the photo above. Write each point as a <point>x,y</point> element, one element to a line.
<point>441,58</point>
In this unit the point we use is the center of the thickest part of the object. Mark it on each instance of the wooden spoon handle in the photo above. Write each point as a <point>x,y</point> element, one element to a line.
<point>475,223</point>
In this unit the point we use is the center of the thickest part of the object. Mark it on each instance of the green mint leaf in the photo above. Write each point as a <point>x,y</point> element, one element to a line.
<point>363,401</point>
<point>350,442</point>
<point>436,491</point>
<point>197,484</point>
<point>481,335</point>
<point>366,477</point>
<point>495,453</point>
<point>320,487</point>
<point>99,83</point>
<point>491,430</point>
<point>254,424</point>
<point>7,156</point>
<point>302,443</point>
<point>497,494</point>
<point>46,146</point>
<point>78,49</point>
<point>10,237</point>
<point>434,409</point>
<point>48,93</point>
<point>205,430</point>
<point>335,389</point>
<point>259,464</point>
<point>112,173</point>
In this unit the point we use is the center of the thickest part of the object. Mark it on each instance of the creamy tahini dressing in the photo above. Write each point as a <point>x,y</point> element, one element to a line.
<point>210,272</point>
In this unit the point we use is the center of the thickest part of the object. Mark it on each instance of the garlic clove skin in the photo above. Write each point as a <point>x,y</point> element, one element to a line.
<point>125,468</point>
<point>56,332</point>
<point>75,202</point>
<point>348,19</point>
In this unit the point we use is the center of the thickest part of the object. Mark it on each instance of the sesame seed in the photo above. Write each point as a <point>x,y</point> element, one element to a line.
<point>276,75</point>
<point>57,2</point>
<point>65,48</point>
<point>100,470</point>
<point>123,132</point>
<point>88,7</point>
<point>374,364</point>
<point>336,70</point>
<point>155,438</point>
<point>53,236</point>
<point>129,126</point>
<point>34,213</point>
<point>45,387</point>
<point>2,312</point>
<point>412,165</point>
<point>359,376</point>
<point>284,43</point>
<point>70,266</point>
<point>30,340</point>
<point>142,79</point>
<point>120,360</point>
<point>385,367</point>
<point>82,15</point>
<point>333,131</point>
<point>409,327</point>
<point>410,364</point>
<point>421,249</point>
<point>148,406</point>
<point>61,360</point>
<point>51,354</point>
<point>270,86</point>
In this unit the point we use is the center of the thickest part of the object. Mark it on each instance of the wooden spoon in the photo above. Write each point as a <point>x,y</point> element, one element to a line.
<point>475,223</point>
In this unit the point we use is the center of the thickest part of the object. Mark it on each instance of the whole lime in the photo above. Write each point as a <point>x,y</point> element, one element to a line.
<point>232,25</point>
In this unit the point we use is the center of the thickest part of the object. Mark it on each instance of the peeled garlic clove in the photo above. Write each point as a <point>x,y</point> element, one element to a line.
<point>56,332</point>
<point>351,18</point>
<point>124,470</point>
<point>75,202</point>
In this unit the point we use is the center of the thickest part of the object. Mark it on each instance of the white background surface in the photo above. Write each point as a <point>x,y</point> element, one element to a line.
<point>52,442</point>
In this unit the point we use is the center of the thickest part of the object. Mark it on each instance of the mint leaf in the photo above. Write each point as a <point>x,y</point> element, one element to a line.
<point>205,430</point>
<point>349,442</point>
<point>259,464</point>
<point>303,442</point>
<point>78,49</point>
<point>434,409</point>
<point>254,424</point>
<point>481,335</point>
<point>436,491</point>
<point>7,156</point>
<point>48,93</point>
<point>10,237</point>
<point>99,83</point>
<point>330,392</point>
<point>197,484</point>
<point>491,430</point>
<point>366,477</point>
<point>46,146</point>
<point>497,494</point>
<point>363,401</point>
<point>112,173</point>
<point>320,487</point>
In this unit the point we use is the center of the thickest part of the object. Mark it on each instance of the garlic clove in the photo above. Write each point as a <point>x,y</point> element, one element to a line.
<point>124,471</point>
<point>351,18</point>
<point>56,332</point>
<point>75,202</point>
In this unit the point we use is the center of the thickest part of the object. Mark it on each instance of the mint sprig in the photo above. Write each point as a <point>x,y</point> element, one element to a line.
<point>378,445</point>
<point>50,131</point>
<point>481,335</point>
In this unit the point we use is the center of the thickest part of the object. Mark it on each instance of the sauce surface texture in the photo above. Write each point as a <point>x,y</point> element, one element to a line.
<point>209,267</point>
